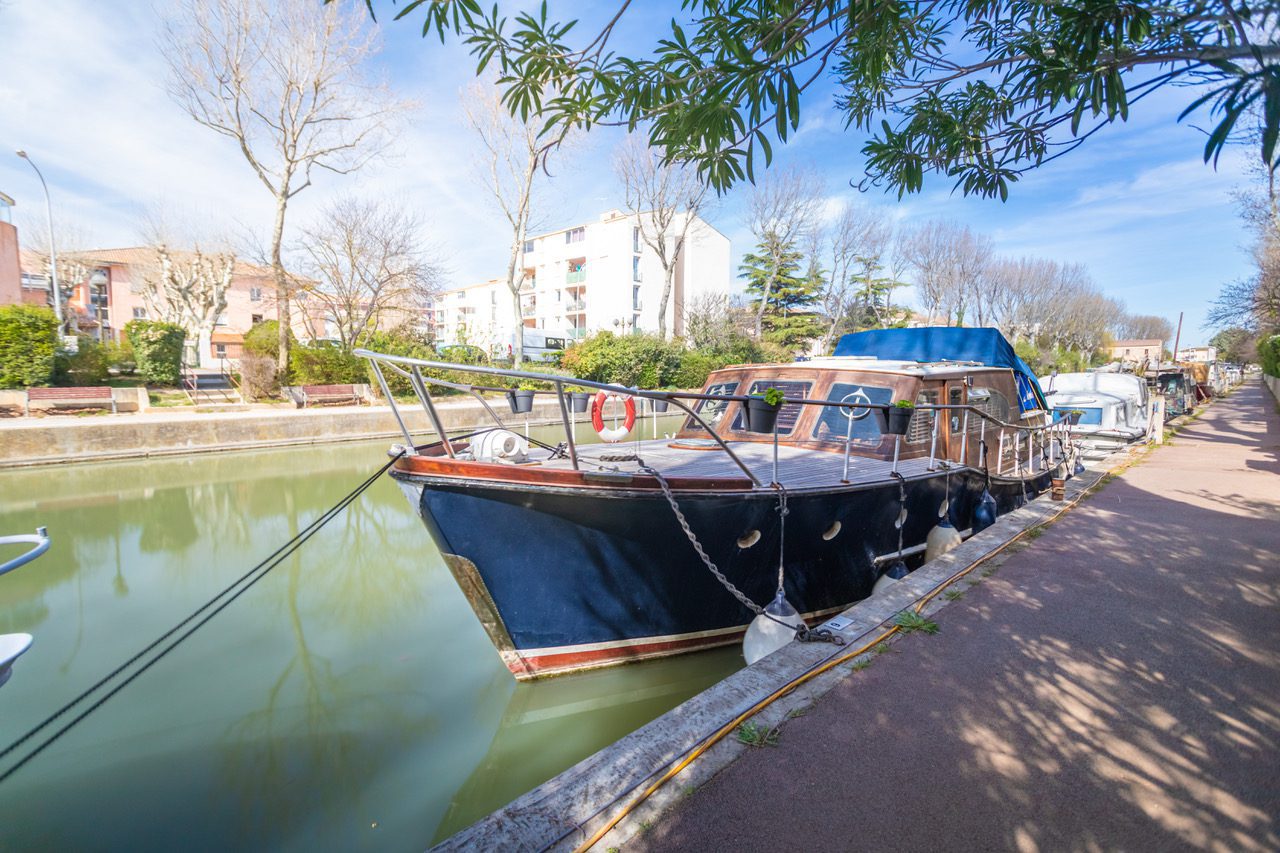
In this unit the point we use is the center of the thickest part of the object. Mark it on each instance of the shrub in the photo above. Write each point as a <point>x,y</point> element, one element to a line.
<point>88,365</point>
<point>258,377</point>
<point>28,343</point>
<point>264,339</point>
<point>321,363</point>
<point>157,348</point>
<point>644,361</point>
<point>1269,355</point>
<point>120,356</point>
<point>406,344</point>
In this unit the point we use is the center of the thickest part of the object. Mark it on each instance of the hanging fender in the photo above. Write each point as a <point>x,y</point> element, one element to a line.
<point>612,434</point>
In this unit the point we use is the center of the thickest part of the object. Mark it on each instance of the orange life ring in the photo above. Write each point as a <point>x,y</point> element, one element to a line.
<point>612,434</point>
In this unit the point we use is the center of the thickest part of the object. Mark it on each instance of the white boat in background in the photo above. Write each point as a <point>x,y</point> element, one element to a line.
<point>12,646</point>
<point>1114,407</point>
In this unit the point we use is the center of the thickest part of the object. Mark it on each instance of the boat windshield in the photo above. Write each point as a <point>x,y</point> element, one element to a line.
<point>860,425</point>
<point>712,411</point>
<point>789,413</point>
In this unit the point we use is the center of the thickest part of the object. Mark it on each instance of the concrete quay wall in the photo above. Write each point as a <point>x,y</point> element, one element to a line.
<point>60,440</point>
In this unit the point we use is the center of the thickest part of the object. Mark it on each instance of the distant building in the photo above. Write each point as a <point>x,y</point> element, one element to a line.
<point>108,291</point>
<point>1138,351</point>
<point>10,265</point>
<point>586,278</point>
<point>1198,355</point>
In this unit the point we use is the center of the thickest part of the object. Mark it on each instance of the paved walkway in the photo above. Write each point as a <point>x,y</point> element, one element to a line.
<point>1115,686</point>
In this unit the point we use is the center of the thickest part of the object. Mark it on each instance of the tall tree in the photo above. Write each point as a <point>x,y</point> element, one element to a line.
<point>950,262</point>
<point>665,197</point>
<point>855,246</point>
<point>784,299</point>
<point>1145,327</point>
<point>288,83</point>
<point>366,265</point>
<point>781,212</point>
<point>512,152</point>
<point>1253,303</point>
<point>978,92</point>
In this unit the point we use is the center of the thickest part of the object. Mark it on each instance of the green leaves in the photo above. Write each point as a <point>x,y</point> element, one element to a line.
<point>980,91</point>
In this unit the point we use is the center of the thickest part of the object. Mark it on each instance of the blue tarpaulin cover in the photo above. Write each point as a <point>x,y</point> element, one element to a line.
<point>947,343</point>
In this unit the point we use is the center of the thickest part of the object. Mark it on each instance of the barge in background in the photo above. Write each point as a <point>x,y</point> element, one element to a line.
<point>575,557</point>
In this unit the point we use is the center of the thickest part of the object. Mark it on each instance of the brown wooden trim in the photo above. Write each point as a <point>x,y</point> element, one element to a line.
<point>465,469</point>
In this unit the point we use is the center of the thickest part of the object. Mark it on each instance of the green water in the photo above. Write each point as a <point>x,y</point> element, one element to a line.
<point>350,700</point>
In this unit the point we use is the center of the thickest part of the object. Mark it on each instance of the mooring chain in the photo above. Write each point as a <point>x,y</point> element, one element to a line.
<point>803,633</point>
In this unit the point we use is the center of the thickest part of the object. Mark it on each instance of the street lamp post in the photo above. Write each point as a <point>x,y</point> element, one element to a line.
<point>53,254</point>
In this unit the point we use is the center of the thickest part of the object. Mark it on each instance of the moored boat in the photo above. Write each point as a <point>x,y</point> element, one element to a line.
<point>581,556</point>
<point>1112,408</point>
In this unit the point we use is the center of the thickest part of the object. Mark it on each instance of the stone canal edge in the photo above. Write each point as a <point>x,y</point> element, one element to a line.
<point>566,811</point>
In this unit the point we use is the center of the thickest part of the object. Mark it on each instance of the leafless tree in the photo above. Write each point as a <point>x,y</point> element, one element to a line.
<point>856,245</point>
<point>365,265</point>
<point>950,262</point>
<point>286,80</point>
<point>713,321</point>
<point>188,288</point>
<point>512,157</point>
<point>74,266</point>
<point>665,198</point>
<point>1144,327</point>
<point>1022,294</point>
<point>1253,303</point>
<point>781,213</point>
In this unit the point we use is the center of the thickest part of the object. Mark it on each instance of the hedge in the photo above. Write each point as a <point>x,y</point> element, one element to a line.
<point>28,345</point>
<point>1269,355</point>
<point>157,349</point>
<point>322,363</point>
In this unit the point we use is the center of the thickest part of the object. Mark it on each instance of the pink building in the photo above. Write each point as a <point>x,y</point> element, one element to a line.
<point>107,290</point>
<point>10,266</point>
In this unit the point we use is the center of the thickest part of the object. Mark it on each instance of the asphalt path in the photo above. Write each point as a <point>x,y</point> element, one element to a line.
<point>1115,685</point>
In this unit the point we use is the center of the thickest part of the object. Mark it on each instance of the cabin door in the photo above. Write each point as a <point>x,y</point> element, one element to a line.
<point>955,420</point>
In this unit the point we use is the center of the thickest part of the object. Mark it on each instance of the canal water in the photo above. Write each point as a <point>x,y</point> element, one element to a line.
<point>350,700</point>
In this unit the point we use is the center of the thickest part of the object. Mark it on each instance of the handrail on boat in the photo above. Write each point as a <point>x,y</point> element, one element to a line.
<point>419,383</point>
<point>40,539</point>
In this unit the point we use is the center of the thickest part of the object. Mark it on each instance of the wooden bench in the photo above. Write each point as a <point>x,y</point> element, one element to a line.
<point>328,394</point>
<point>77,398</point>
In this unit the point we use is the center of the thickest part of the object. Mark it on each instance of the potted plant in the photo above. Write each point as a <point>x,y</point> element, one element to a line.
<point>520,399</point>
<point>1074,416</point>
<point>579,400</point>
<point>762,410</point>
<point>660,406</point>
<point>897,419</point>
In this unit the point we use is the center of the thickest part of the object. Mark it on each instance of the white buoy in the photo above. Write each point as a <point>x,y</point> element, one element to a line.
<point>941,539</point>
<point>765,636</point>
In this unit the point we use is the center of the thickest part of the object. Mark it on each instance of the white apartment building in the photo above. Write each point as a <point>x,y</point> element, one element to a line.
<point>587,278</point>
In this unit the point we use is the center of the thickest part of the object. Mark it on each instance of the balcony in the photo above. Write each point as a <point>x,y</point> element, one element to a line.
<point>528,309</point>
<point>577,306</point>
<point>575,277</point>
<point>577,334</point>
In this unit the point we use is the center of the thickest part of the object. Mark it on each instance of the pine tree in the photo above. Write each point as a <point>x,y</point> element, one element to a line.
<point>789,318</point>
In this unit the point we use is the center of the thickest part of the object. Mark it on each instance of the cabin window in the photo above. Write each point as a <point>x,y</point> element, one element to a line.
<point>922,424</point>
<point>990,402</point>
<point>859,424</point>
<point>712,411</point>
<point>789,413</point>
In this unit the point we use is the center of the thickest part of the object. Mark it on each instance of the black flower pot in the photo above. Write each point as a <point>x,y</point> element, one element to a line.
<point>760,416</point>
<point>579,400</point>
<point>521,401</point>
<point>1073,418</point>
<point>896,420</point>
<point>660,405</point>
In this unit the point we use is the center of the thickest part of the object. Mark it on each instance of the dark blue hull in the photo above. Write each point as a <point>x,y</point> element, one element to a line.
<point>565,578</point>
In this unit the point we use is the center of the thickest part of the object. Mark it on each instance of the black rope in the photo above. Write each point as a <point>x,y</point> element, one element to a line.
<point>262,569</point>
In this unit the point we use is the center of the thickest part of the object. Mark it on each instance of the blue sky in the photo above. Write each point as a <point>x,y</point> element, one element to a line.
<point>83,93</point>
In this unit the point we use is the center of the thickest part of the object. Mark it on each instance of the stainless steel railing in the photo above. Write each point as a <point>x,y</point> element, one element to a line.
<point>1054,434</point>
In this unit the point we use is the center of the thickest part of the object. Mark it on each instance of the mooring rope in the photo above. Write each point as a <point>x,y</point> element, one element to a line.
<point>261,570</point>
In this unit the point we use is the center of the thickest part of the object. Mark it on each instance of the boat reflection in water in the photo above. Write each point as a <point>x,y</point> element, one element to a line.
<point>575,558</point>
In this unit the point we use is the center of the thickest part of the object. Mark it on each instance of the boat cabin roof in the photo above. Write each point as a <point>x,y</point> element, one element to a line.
<point>870,364</point>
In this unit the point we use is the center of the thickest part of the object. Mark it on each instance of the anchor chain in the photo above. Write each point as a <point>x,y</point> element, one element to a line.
<point>803,633</point>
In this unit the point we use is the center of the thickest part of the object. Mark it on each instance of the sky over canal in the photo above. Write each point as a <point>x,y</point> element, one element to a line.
<point>83,92</point>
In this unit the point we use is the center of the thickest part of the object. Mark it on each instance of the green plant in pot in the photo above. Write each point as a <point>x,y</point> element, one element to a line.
<point>521,399</point>
<point>579,398</point>
<point>897,419</point>
<point>762,410</point>
<point>1074,416</point>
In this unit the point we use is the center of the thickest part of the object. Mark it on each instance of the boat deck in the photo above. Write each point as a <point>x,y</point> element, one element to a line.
<point>798,468</point>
